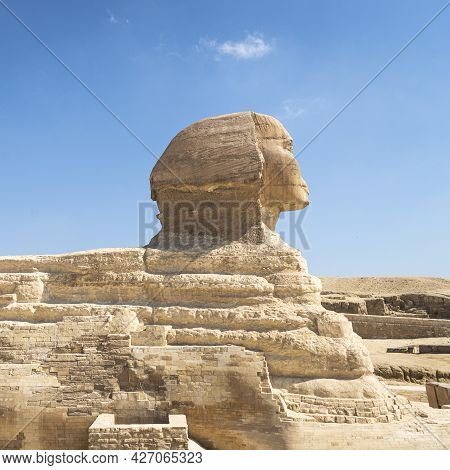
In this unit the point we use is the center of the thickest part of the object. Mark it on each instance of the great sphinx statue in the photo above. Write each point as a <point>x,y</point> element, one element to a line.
<point>220,186</point>
<point>217,318</point>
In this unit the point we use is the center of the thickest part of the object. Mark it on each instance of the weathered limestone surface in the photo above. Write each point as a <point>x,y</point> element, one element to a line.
<point>106,434</point>
<point>218,319</point>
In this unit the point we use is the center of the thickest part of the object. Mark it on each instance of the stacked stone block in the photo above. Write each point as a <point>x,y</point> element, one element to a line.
<point>105,434</point>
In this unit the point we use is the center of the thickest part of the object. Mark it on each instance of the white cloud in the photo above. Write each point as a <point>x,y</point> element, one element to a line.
<point>252,47</point>
<point>292,109</point>
<point>111,17</point>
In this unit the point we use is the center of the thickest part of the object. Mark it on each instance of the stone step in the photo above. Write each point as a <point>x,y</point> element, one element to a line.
<point>290,415</point>
<point>345,402</point>
<point>340,419</point>
<point>356,411</point>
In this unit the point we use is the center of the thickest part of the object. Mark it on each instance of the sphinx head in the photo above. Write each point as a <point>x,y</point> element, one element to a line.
<point>225,178</point>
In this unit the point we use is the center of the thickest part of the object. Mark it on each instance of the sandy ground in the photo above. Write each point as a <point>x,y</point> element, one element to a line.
<point>433,421</point>
<point>386,285</point>
<point>429,420</point>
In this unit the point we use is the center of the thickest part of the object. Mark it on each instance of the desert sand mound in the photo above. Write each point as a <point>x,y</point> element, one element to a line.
<point>386,285</point>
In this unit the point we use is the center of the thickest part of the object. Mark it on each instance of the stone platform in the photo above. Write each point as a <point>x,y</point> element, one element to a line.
<point>91,333</point>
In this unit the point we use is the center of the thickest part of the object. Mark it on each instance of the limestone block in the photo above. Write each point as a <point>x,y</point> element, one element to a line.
<point>124,321</point>
<point>110,259</point>
<point>7,285</point>
<point>334,325</point>
<point>294,284</point>
<point>7,299</point>
<point>151,335</point>
<point>106,434</point>
<point>27,287</point>
<point>345,304</point>
<point>438,394</point>
<point>376,306</point>
<point>266,316</point>
<point>272,256</point>
<point>207,288</point>
<point>105,287</point>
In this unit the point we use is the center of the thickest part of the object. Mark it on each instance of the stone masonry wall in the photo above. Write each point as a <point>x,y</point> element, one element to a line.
<point>223,390</point>
<point>56,378</point>
<point>342,410</point>
<point>376,327</point>
<point>71,371</point>
<point>104,434</point>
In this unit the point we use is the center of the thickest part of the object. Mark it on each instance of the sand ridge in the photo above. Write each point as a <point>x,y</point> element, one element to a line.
<point>386,285</point>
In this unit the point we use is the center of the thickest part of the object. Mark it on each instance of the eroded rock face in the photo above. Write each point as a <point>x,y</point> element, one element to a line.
<point>201,321</point>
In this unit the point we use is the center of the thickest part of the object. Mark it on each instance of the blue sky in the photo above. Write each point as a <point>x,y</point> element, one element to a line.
<point>379,175</point>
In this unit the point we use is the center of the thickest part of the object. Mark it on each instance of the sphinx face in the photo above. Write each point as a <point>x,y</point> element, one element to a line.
<point>283,188</point>
<point>283,185</point>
